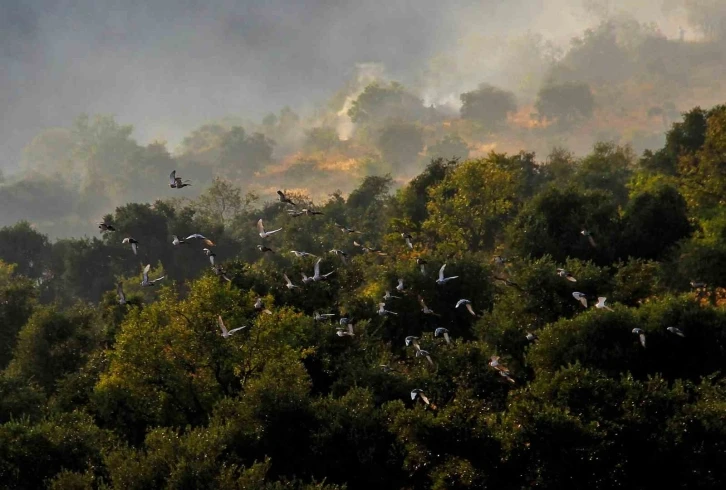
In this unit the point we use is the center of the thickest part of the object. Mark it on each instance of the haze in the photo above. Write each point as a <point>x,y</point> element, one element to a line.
<point>167,68</point>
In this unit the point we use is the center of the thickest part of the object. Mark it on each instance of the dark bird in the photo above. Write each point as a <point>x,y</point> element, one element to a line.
<point>264,249</point>
<point>283,198</point>
<point>104,227</point>
<point>134,244</point>
<point>177,182</point>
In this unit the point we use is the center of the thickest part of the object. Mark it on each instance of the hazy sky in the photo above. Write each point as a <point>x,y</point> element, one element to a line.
<point>167,66</point>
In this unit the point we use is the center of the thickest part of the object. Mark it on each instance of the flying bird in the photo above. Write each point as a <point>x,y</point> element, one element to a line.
<point>532,337</point>
<point>343,255</point>
<point>289,284</point>
<point>466,303</point>
<point>411,340</point>
<point>294,213</point>
<point>341,332</point>
<point>676,331</point>
<point>176,241</point>
<point>209,254</point>
<point>503,371</point>
<point>318,317</point>
<point>264,249</point>
<point>443,280</point>
<point>104,227</point>
<point>408,238</point>
<point>120,293</point>
<point>201,237</point>
<point>263,233</point>
<point>442,331</point>
<point>317,276</point>
<point>601,303</point>
<point>312,212</point>
<point>306,279</point>
<point>345,229</point>
<point>145,281</point>
<point>388,296</point>
<point>425,309</point>
<point>134,244</point>
<point>588,234</point>
<point>283,198</point>
<point>301,254</point>
<point>420,394</point>
<point>422,265</point>
<point>227,333</point>
<point>424,353</point>
<point>260,306</point>
<point>641,334</point>
<point>383,311</point>
<point>566,275</point>
<point>220,272</point>
<point>177,182</point>
<point>581,298</point>
<point>399,288</point>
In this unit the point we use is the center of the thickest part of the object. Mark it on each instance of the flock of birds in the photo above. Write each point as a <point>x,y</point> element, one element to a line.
<point>346,325</point>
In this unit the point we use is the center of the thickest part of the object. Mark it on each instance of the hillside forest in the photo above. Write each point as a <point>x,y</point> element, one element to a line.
<point>588,352</point>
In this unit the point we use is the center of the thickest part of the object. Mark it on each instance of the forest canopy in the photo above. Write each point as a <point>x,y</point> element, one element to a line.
<point>502,321</point>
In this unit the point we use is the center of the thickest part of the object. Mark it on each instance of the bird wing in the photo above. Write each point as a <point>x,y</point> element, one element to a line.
<point>591,240</point>
<point>236,329</point>
<point>441,272</point>
<point>274,231</point>
<point>422,303</point>
<point>208,242</point>
<point>220,322</point>
<point>317,267</point>
<point>281,194</point>
<point>583,300</point>
<point>642,339</point>
<point>172,177</point>
<point>157,279</point>
<point>260,226</point>
<point>211,259</point>
<point>287,279</point>
<point>400,283</point>
<point>471,310</point>
<point>120,292</point>
<point>134,247</point>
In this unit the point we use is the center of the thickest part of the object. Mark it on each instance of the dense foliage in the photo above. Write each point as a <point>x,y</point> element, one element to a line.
<point>95,394</point>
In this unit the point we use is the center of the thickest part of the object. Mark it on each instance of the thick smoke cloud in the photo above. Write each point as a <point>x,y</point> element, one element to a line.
<point>167,66</point>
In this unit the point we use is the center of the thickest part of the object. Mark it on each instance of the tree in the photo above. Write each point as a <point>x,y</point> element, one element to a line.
<point>400,143</point>
<point>488,105</point>
<point>379,102</point>
<point>449,147</point>
<point>17,300</point>
<point>566,104</point>
<point>241,153</point>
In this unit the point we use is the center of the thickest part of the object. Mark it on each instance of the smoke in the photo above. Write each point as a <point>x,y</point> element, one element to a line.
<point>365,74</point>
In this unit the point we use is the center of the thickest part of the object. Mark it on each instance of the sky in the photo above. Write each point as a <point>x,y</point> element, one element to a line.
<point>167,66</point>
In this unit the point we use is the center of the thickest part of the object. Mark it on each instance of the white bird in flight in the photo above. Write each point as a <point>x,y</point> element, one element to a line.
<point>566,275</point>
<point>301,254</point>
<point>383,311</point>
<point>581,298</point>
<point>676,331</point>
<point>317,276</point>
<point>425,309</point>
<point>442,279</point>
<point>145,281</point>
<point>260,306</point>
<point>641,334</point>
<point>343,255</point>
<point>134,244</point>
<point>399,288</point>
<point>503,371</point>
<point>318,317</point>
<point>120,293</point>
<point>209,254</point>
<point>601,303</point>
<point>422,265</point>
<point>289,284</point>
<point>425,353</point>
<point>466,303</point>
<point>411,340</point>
<point>408,238</point>
<point>227,333</point>
<point>341,332</point>
<point>306,279</point>
<point>176,241</point>
<point>201,237</point>
<point>420,394</point>
<point>443,331</point>
<point>388,296</point>
<point>263,233</point>
<point>590,239</point>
